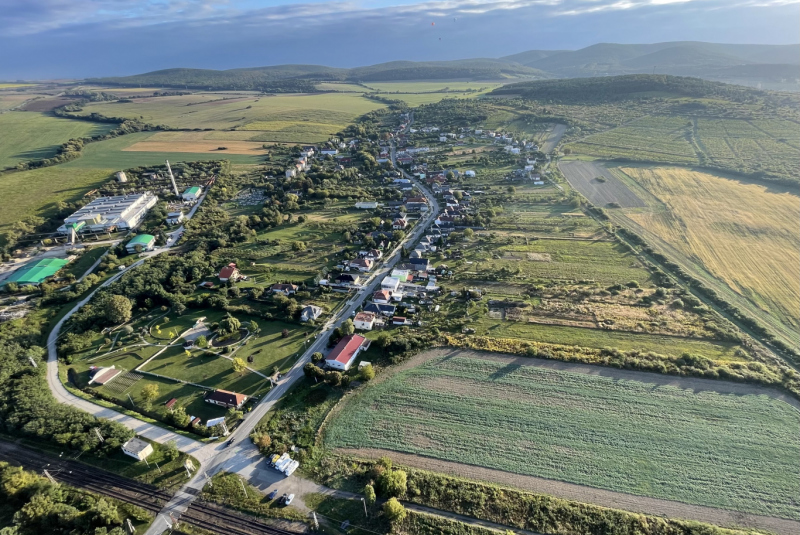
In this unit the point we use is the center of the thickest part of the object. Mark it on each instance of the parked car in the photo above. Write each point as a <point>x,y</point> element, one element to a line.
<point>289,499</point>
<point>272,495</point>
<point>283,499</point>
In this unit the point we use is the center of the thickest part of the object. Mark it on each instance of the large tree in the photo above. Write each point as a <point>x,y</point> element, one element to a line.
<point>229,325</point>
<point>118,309</point>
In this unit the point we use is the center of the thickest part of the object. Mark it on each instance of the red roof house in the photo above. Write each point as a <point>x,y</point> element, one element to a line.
<point>345,352</point>
<point>229,272</point>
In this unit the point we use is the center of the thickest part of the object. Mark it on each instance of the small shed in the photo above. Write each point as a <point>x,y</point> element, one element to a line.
<point>137,448</point>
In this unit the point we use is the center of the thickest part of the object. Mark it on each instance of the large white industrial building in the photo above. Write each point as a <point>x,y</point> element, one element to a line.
<point>108,213</point>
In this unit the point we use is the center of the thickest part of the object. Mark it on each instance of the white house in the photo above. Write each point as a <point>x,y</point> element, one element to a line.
<point>291,172</point>
<point>364,321</point>
<point>342,356</point>
<point>390,283</point>
<point>469,174</point>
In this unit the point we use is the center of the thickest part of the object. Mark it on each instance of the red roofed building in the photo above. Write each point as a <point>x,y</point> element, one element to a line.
<point>345,352</point>
<point>229,272</point>
<point>382,297</point>
<point>226,399</point>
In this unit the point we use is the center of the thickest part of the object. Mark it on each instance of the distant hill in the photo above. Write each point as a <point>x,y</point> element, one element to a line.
<point>773,66</point>
<point>281,78</point>
<point>682,58</point>
<point>626,87</point>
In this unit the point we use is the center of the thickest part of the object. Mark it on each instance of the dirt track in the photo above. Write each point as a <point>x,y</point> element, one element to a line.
<point>618,500</point>
<point>583,177</point>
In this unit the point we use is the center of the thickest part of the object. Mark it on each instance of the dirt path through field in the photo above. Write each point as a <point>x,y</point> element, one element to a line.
<point>581,493</point>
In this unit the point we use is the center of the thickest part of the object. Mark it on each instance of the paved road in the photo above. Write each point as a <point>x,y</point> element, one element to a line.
<point>242,456</point>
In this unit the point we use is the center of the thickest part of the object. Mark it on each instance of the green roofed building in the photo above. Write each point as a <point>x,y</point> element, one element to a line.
<point>145,241</point>
<point>192,194</point>
<point>36,272</point>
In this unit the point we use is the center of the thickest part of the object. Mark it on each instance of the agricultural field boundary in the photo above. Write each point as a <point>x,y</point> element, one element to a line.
<point>579,493</point>
<point>614,499</point>
<point>695,270</point>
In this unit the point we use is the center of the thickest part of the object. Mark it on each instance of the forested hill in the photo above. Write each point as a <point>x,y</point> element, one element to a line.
<point>301,78</point>
<point>628,87</point>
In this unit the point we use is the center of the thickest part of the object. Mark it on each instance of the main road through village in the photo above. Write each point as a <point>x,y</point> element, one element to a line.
<point>241,456</point>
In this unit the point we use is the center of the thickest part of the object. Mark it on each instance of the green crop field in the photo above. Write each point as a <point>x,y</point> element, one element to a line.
<point>698,446</point>
<point>625,341</point>
<point>603,262</point>
<point>26,136</point>
<point>286,118</point>
<point>38,191</point>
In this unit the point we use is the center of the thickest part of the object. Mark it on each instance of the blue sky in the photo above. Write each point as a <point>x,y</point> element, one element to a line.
<point>77,38</point>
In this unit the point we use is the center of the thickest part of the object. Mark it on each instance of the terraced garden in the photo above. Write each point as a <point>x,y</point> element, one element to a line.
<point>709,443</point>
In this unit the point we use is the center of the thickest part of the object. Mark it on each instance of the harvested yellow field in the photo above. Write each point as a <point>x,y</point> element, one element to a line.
<point>744,234</point>
<point>194,142</point>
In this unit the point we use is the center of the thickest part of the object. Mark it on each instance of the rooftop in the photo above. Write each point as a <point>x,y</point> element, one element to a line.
<point>142,239</point>
<point>37,272</point>
<point>346,349</point>
<point>136,445</point>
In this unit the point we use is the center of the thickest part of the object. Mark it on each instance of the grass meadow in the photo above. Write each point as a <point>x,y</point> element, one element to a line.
<point>744,234</point>
<point>26,136</point>
<point>695,446</point>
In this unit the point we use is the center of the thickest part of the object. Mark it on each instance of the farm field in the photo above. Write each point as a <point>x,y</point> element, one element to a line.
<point>743,234</point>
<point>12,99</point>
<point>649,436</point>
<point>431,87</point>
<point>26,136</point>
<point>770,146</point>
<point>37,192</point>
<point>603,262</point>
<point>281,118</point>
<point>583,177</point>
<point>587,337</point>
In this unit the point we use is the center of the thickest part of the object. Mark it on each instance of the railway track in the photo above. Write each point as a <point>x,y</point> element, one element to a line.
<point>205,515</point>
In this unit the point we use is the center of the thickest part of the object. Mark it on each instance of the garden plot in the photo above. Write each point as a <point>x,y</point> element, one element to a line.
<point>640,434</point>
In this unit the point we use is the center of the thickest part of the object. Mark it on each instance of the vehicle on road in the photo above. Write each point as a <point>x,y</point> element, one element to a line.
<point>229,443</point>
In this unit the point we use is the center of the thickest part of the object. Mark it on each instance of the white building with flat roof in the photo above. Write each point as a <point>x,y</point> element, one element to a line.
<point>137,448</point>
<point>121,212</point>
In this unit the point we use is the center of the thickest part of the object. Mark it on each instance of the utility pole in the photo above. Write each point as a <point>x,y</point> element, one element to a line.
<point>364,502</point>
<point>48,476</point>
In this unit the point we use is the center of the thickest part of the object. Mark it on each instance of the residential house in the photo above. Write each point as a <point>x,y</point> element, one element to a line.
<point>398,320</point>
<point>225,398</point>
<point>382,297</point>
<point>291,172</point>
<point>399,224</point>
<point>374,254</point>
<point>390,283</point>
<point>382,309</point>
<point>348,279</point>
<point>421,264</point>
<point>285,289</point>
<point>361,264</point>
<point>229,273</point>
<point>342,356</point>
<point>364,321</point>
<point>310,312</point>
<point>469,173</point>
<point>329,152</point>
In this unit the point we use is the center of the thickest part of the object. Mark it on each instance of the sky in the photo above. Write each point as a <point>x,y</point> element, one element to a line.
<point>52,39</point>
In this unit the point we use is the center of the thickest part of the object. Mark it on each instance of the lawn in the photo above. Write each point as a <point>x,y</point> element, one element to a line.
<point>269,348</point>
<point>85,261</point>
<point>697,446</point>
<point>206,369</point>
<point>26,136</point>
<point>743,234</point>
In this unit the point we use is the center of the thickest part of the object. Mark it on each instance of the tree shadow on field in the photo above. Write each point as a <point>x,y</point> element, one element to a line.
<point>508,369</point>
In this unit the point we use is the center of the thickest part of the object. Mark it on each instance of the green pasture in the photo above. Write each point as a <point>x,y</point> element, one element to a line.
<point>269,348</point>
<point>693,445</point>
<point>26,136</point>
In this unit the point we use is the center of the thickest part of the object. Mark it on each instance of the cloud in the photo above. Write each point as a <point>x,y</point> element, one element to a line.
<point>59,38</point>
